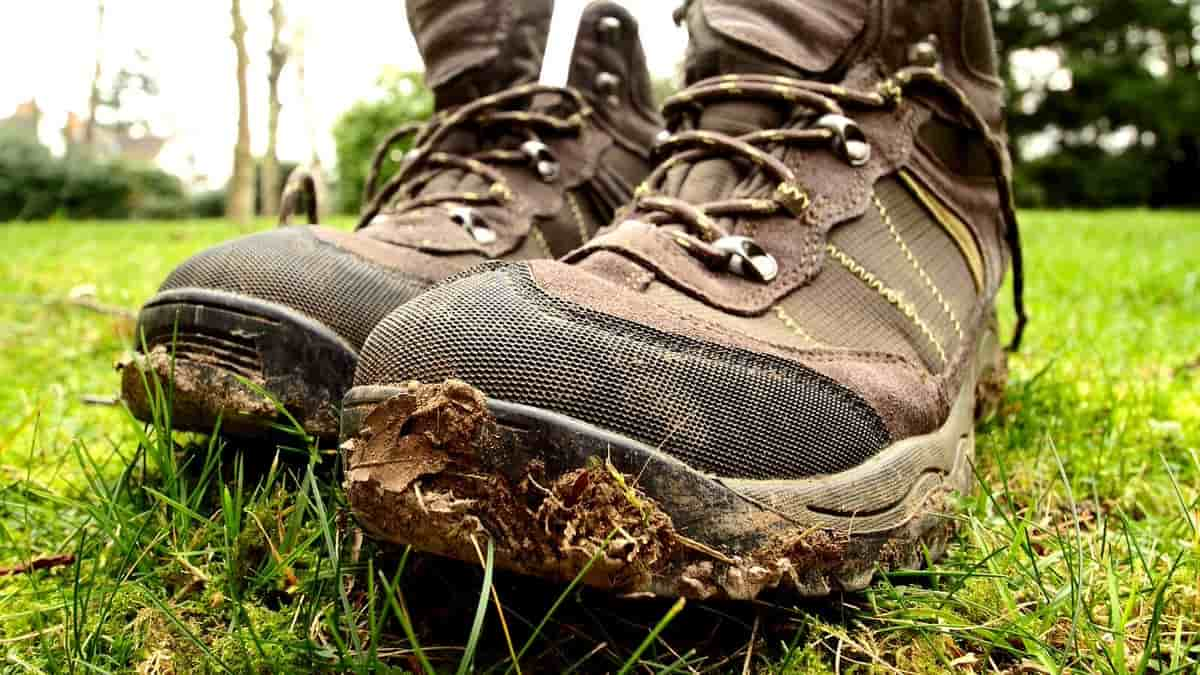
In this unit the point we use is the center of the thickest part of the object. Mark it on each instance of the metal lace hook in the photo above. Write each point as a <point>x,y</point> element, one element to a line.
<point>849,141</point>
<point>747,259</point>
<point>466,218</point>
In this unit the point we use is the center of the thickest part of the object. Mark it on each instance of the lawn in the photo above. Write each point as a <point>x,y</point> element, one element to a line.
<point>1080,551</point>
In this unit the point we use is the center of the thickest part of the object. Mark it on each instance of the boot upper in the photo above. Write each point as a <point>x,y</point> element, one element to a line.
<point>805,277</point>
<point>506,169</point>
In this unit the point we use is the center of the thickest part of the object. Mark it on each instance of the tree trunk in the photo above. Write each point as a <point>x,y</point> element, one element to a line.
<point>240,204</point>
<point>298,56</point>
<point>278,55</point>
<point>89,129</point>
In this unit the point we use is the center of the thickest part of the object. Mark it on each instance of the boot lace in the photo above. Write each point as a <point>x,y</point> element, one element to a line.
<point>493,116</point>
<point>504,115</point>
<point>823,121</point>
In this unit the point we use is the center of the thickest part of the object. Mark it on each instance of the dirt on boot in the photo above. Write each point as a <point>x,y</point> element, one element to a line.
<point>201,391</point>
<point>415,476</point>
<point>421,471</point>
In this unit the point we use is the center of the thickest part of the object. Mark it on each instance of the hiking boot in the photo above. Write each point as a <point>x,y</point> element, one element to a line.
<point>506,170</point>
<point>764,375</point>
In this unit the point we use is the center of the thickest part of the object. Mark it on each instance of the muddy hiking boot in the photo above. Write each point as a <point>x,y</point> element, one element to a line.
<point>506,170</point>
<point>764,376</point>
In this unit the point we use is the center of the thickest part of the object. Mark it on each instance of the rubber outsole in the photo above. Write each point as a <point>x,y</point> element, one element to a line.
<point>438,466</point>
<point>203,347</point>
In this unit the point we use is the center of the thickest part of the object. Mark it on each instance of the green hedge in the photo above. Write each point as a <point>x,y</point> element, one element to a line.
<point>403,98</point>
<point>35,185</point>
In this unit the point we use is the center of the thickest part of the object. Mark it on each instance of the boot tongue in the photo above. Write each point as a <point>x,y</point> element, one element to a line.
<point>473,48</point>
<point>464,143</point>
<point>804,40</point>
<point>713,179</point>
<point>808,39</point>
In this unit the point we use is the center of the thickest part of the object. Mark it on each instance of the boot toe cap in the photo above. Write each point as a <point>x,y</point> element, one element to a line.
<point>300,268</point>
<point>727,412</point>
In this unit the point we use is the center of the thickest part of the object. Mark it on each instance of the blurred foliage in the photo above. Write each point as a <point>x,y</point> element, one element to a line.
<point>208,204</point>
<point>35,185</point>
<point>1120,117</point>
<point>402,99</point>
<point>30,178</point>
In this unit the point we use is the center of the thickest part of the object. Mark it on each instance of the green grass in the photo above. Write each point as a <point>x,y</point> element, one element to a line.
<point>1079,552</point>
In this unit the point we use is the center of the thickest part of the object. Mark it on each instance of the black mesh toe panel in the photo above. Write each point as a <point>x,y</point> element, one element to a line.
<point>732,413</point>
<point>293,268</point>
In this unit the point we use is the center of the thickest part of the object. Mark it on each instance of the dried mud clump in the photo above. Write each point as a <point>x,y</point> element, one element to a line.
<point>431,468</point>
<point>197,386</point>
<point>801,563</point>
<point>201,384</point>
<point>418,473</point>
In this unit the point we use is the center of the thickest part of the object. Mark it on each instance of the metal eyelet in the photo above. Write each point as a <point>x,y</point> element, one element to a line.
<point>609,28</point>
<point>849,141</point>
<point>609,85</point>
<point>925,54</point>
<point>466,218</point>
<point>543,160</point>
<point>748,259</point>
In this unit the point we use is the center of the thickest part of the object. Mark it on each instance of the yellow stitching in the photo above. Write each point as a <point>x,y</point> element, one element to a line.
<point>893,296</point>
<point>501,191</point>
<point>578,212</point>
<point>953,226</point>
<point>937,293</point>
<point>795,327</point>
<point>541,240</point>
<point>708,226</point>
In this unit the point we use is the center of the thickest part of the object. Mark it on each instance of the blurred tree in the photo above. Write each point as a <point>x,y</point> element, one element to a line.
<point>1116,123</point>
<point>240,206</point>
<point>131,80</point>
<point>403,99</point>
<point>94,96</point>
<point>313,165</point>
<point>125,126</point>
<point>264,194</point>
<point>278,56</point>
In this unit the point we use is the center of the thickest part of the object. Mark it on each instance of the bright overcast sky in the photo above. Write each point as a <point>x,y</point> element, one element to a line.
<point>48,48</point>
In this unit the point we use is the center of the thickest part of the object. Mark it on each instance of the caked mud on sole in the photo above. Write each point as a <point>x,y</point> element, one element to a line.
<point>204,395</point>
<point>442,468</point>
<point>205,346</point>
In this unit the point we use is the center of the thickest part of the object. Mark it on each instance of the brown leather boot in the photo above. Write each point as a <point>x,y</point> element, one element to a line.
<point>506,170</point>
<point>764,375</point>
